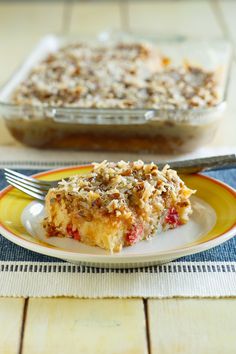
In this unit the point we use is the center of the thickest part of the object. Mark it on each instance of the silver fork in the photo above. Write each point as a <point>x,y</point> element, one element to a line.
<point>31,186</point>
<point>38,189</point>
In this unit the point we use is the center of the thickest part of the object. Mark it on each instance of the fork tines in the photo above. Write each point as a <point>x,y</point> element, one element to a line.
<point>31,186</point>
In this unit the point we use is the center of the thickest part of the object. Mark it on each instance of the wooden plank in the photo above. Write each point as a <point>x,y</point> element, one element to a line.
<point>85,326</point>
<point>225,14</point>
<point>11,315</point>
<point>93,18</point>
<point>22,24</point>
<point>228,12</point>
<point>225,135</point>
<point>190,18</point>
<point>193,326</point>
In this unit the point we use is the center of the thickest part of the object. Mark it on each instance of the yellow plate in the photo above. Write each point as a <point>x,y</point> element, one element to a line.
<point>212,223</point>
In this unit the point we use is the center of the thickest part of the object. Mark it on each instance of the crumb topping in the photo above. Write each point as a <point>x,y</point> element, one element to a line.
<point>117,204</point>
<point>123,75</point>
<point>119,188</point>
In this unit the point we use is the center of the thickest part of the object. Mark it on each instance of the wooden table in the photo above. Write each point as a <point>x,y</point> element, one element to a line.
<point>68,325</point>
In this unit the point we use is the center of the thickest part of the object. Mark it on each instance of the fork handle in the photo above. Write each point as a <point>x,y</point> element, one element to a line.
<point>202,164</point>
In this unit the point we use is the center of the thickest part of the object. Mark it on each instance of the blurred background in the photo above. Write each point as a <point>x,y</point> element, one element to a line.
<point>23,23</point>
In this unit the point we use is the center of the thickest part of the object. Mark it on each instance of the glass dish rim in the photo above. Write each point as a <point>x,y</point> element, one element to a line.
<point>118,110</point>
<point>144,110</point>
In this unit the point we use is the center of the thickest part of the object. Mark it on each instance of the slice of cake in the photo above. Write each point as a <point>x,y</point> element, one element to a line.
<point>117,204</point>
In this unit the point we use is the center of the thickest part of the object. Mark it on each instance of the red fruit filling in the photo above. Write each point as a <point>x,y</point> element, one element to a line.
<point>172,217</point>
<point>73,233</point>
<point>133,234</point>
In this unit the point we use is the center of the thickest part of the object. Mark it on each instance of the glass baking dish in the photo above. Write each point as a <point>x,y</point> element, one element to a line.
<point>134,130</point>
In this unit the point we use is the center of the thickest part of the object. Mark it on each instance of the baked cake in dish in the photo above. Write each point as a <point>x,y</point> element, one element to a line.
<point>120,75</point>
<point>117,204</point>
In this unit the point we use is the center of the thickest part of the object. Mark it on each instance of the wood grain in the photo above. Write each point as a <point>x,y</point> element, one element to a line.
<point>188,18</point>
<point>93,18</point>
<point>196,326</point>
<point>226,135</point>
<point>11,314</point>
<point>228,12</point>
<point>85,326</point>
<point>22,24</point>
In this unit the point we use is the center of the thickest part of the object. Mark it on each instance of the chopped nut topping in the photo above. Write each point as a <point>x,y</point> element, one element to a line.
<point>117,204</point>
<point>123,186</point>
<point>123,75</point>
